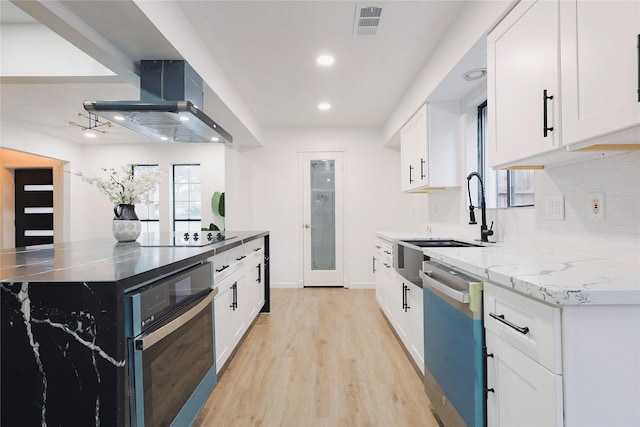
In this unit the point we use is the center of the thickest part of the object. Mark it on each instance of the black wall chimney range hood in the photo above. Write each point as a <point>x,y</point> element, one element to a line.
<point>170,91</point>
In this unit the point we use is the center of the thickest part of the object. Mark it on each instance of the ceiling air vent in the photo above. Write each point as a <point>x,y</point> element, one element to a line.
<point>367,20</point>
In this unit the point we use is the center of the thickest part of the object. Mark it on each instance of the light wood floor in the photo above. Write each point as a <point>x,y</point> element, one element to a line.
<point>323,357</point>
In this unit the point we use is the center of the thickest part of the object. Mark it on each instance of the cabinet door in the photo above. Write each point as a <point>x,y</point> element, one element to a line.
<point>402,311</point>
<point>222,309</point>
<point>408,135</point>
<point>422,148</point>
<point>240,307</point>
<point>524,393</point>
<point>417,326</point>
<point>258,280</point>
<point>522,64</point>
<point>599,67</point>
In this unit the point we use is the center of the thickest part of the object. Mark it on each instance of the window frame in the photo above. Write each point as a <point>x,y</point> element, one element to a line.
<point>145,222</point>
<point>174,184</point>
<point>511,176</point>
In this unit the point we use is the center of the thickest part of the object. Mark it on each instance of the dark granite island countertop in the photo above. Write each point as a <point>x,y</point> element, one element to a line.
<point>63,346</point>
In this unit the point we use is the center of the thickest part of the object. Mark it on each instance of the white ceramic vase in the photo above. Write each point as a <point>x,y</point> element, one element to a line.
<point>126,230</point>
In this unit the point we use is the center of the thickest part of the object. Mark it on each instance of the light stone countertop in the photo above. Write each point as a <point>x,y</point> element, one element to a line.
<point>554,277</point>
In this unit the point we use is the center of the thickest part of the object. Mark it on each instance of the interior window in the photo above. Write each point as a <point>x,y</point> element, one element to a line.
<point>187,198</point>
<point>503,188</point>
<point>149,214</point>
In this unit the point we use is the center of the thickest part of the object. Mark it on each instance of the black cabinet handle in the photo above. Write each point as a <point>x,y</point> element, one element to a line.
<point>545,118</point>
<point>405,299</point>
<point>259,267</point>
<point>407,290</point>
<point>234,296</point>
<point>487,391</point>
<point>410,174</point>
<point>374,264</point>
<point>257,249</point>
<point>240,258</point>
<point>638,46</point>
<point>500,318</point>
<point>224,267</point>
<point>422,175</point>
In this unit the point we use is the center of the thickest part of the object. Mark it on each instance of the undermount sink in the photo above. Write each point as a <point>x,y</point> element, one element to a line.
<point>441,243</point>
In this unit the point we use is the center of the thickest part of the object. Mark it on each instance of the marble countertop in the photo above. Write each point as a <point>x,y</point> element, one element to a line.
<point>558,278</point>
<point>104,260</point>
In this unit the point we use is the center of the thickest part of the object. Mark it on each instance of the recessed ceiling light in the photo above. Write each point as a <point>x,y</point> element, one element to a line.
<point>215,139</point>
<point>118,118</point>
<point>325,60</point>
<point>90,134</point>
<point>475,74</point>
<point>184,118</point>
<point>164,138</point>
<point>324,106</point>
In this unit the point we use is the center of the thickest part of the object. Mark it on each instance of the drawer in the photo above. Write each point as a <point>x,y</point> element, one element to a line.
<point>254,249</point>
<point>531,326</point>
<point>384,250</point>
<point>221,267</point>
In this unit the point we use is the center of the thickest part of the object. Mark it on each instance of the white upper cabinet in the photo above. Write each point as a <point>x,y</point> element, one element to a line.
<point>429,148</point>
<point>600,70</point>
<point>409,151</point>
<point>523,93</point>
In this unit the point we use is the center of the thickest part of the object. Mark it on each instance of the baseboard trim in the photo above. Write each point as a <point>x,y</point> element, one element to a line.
<point>285,285</point>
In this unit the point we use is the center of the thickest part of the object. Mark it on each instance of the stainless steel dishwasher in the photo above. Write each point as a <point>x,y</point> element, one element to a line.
<point>454,375</point>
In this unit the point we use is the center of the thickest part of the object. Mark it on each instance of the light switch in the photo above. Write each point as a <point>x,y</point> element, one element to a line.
<point>555,206</point>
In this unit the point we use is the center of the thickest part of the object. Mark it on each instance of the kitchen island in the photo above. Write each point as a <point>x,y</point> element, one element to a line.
<point>64,347</point>
<point>562,333</point>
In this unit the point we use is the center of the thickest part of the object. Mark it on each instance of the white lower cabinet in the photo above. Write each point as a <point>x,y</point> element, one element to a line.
<point>400,300</point>
<point>241,296</point>
<point>570,365</point>
<point>521,392</point>
<point>221,309</point>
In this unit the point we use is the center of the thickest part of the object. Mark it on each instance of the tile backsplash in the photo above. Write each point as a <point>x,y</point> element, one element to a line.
<point>617,234</point>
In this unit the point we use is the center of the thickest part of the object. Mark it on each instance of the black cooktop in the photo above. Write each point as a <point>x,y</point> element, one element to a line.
<point>199,238</point>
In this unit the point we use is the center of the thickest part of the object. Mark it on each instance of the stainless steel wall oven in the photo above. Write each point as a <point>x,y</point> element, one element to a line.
<point>171,354</point>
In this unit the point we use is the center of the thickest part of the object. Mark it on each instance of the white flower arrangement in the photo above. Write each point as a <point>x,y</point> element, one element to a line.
<point>125,188</point>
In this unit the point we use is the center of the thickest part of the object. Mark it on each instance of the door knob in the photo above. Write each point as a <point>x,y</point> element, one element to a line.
<point>307,226</point>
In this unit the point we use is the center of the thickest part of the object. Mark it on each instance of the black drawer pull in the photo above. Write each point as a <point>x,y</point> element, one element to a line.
<point>500,318</point>
<point>240,258</point>
<point>224,267</point>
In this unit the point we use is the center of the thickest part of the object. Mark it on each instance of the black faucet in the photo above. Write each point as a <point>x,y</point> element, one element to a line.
<point>484,232</point>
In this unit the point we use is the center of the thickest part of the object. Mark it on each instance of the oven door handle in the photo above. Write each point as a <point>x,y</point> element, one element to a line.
<point>145,341</point>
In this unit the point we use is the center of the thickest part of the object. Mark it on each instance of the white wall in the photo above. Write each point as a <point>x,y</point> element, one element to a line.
<point>93,212</point>
<point>475,21</point>
<point>265,196</point>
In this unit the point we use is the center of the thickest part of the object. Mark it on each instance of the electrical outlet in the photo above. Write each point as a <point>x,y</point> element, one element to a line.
<point>555,206</point>
<point>596,206</point>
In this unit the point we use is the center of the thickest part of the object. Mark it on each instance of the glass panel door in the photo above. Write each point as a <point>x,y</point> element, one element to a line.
<point>323,215</point>
<point>321,179</point>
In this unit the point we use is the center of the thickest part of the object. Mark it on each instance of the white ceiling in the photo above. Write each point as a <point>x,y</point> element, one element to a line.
<point>267,50</point>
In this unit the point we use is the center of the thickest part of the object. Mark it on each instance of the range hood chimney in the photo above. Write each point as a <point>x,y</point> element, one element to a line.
<point>171,93</point>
